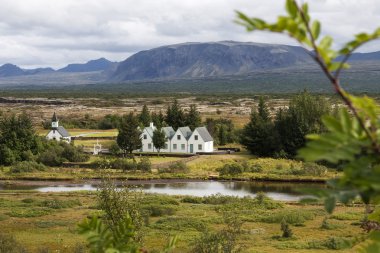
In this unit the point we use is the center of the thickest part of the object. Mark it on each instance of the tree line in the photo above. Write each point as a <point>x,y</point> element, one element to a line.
<point>20,143</point>
<point>282,135</point>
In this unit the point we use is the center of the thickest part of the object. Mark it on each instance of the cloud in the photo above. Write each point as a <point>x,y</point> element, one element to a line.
<point>54,33</point>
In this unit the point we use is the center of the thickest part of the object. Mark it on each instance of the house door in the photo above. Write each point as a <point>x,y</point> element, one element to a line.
<point>191,148</point>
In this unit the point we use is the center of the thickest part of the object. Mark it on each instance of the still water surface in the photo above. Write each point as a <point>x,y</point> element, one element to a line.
<point>277,191</point>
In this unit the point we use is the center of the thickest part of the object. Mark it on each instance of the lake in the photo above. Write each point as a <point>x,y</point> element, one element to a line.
<point>277,191</point>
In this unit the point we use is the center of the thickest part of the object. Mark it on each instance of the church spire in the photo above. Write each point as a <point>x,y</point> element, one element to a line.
<point>54,121</point>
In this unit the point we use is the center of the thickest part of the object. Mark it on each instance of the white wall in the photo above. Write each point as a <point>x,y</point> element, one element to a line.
<point>55,135</point>
<point>146,142</point>
<point>179,143</point>
<point>206,146</point>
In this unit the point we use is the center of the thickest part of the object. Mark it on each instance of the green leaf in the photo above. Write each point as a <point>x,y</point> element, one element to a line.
<point>291,8</point>
<point>316,29</point>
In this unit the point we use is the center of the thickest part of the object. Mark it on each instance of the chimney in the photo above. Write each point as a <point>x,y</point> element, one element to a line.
<point>151,125</point>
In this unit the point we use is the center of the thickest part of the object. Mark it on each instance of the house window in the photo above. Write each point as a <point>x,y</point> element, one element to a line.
<point>196,137</point>
<point>182,146</point>
<point>174,146</point>
<point>199,146</point>
<point>166,146</point>
<point>150,146</point>
<point>145,137</point>
<point>178,137</point>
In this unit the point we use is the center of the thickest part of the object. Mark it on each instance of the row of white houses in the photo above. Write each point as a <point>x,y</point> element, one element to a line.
<point>181,141</point>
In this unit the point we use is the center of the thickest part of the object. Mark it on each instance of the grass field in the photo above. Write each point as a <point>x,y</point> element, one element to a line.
<point>47,221</point>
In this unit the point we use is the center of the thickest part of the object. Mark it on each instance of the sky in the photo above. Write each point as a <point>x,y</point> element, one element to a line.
<point>54,33</point>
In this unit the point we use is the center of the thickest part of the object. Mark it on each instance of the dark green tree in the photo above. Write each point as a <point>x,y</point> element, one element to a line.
<point>144,116</point>
<point>259,135</point>
<point>193,118</point>
<point>175,116</point>
<point>17,136</point>
<point>158,119</point>
<point>159,139</point>
<point>303,117</point>
<point>222,135</point>
<point>129,138</point>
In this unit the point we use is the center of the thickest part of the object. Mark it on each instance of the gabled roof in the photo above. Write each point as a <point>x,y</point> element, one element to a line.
<point>63,132</point>
<point>150,130</point>
<point>169,132</point>
<point>203,132</point>
<point>186,131</point>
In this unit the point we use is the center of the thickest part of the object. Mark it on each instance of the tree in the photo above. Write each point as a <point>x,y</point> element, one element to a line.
<point>352,139</point>
<point>17,136</point>
<point>129,137</point>
<point>175,116</point>
<point>303,117</point>
<point>144,117</point>
<point>159,139</point>
<point>193,118</point>
<point>259,135</point>
<point>158,119</point>
<point>222,135</point>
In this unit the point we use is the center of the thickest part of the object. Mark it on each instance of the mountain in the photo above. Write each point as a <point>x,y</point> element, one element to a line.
<point>38,71</point>
<point>8,69</point>
<point>190,60</point>
<point>93,65</point>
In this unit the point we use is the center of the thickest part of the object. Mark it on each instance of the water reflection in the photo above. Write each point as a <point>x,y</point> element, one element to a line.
<point>278,191</point>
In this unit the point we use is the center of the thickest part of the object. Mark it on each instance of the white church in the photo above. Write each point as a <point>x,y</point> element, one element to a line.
<point>58,132</point>
<point>181,141</point>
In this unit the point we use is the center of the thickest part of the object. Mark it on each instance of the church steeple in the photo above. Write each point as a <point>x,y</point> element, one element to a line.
<point>54,121</point>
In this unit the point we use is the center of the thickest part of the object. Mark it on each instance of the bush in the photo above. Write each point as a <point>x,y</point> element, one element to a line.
<point>144,165</point>
<point>191,199</point>
<point>27,166</point>
<point>29,213</point>
<point>59,204</point>
<point>231,169</point>
<point>158,210</point>
<point>9,244</point>
<point>291,217</point>
<point>177,167</point>
<point>115,149</point>
<point>286,230</point>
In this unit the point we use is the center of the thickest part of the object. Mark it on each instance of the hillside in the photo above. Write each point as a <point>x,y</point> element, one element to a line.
<point>193,60</point>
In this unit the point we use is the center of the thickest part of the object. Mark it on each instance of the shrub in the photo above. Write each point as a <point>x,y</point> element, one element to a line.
<point>27,166</point>
<point>144,165</point>
<point>115,149</point>
<point>255,168</point>
<point>231,169</point>
<point>314,169</point>
<point>225,240</point>
<point>338,243</point>
<point>29,213</point>
<point>191,199</point>
<point>9,244</point>
<point>60,204</point>
<point>158,210</point>
<point>177,167</point>
<point>286,230</point>
<point>291,217</point>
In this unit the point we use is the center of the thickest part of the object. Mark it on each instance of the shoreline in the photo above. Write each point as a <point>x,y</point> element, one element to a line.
<point>140,180</point>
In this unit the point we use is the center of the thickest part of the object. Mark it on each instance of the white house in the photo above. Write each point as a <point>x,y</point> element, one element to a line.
<point>57,132</point>
<point>181,141</point>
<point>147,139</point>
<point>201,141</point>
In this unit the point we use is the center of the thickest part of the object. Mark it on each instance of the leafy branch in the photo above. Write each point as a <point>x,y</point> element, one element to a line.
<point>299,26</point>
<point>352,143</point>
